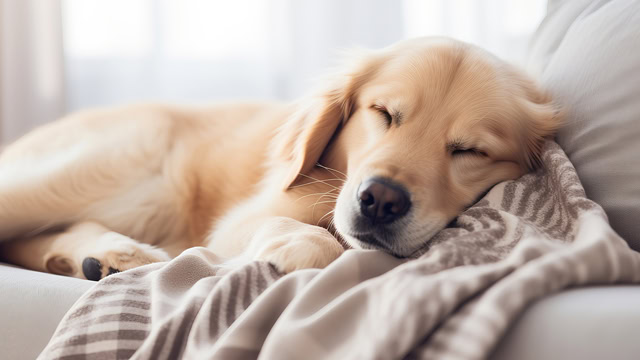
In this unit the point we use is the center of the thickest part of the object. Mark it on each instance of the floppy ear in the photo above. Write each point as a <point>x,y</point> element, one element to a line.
<point>545,117</point>
<point>301,141</point>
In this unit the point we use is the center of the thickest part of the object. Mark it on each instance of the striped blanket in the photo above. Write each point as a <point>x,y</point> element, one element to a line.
<point>525,239</point>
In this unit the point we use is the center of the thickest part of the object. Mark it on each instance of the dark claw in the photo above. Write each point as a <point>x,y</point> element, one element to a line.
<point>112,271</point>
<point>92,269</point>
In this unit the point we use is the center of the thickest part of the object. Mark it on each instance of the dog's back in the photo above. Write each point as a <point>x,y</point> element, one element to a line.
<point>159,174</point>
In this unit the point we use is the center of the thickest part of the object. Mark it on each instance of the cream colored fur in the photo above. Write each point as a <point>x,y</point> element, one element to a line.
<point>275,182</point>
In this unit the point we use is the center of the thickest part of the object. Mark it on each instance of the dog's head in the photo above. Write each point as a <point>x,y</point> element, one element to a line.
<point>421,129</point>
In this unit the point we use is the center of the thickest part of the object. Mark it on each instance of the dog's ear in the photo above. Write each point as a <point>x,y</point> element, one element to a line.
<point>301,141</point>
<point>544,118</point>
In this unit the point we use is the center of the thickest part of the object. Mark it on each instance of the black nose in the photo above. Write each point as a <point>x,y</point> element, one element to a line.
<point>383,201</point>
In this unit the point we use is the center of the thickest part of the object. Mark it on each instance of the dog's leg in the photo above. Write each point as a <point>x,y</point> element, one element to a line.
<point>276,226</point>
<point>84,250</point>
<point>286,242</point>
<point>292,245</point>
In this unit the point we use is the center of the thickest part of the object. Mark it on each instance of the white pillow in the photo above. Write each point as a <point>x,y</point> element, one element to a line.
<point>587,53</point>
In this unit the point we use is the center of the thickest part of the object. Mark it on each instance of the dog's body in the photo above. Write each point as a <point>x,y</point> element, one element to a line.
<point>408,136</point>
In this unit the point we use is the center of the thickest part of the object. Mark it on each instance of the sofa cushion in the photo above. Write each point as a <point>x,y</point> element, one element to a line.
<point>587,53</point>
<point>32,305</point>
<point>591,323</point>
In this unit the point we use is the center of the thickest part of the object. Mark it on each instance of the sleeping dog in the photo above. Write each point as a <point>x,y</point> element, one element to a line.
<point>390,150</point>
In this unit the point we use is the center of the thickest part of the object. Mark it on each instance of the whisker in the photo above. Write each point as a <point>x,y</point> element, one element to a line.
<point>325,215</point>
<point>319,203</point>
<point>332,196</point>
<point>323,181</point>
<point>311,183</point>
<point>327,202</point>
<point>328,193</point>
<point>332,170</point>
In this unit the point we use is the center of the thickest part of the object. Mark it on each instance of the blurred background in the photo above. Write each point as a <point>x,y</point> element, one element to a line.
<point>58,56</point>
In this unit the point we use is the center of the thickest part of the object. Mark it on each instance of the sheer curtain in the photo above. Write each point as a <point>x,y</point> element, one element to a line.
<point>200,50</point>
<point>31,65</point>
<point>84,53</point>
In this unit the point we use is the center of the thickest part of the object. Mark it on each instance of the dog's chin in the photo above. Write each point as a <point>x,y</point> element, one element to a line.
<point>403,244</point>
<point>370,241</point>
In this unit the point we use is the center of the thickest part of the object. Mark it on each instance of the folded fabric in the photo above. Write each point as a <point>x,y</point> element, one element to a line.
<point>525,239</point>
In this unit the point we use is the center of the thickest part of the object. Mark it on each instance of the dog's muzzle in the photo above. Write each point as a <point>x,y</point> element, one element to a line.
<point>382,201</point>
<point>381,204</point>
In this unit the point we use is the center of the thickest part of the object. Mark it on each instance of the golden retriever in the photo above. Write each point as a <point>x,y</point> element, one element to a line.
<point>391,150</point>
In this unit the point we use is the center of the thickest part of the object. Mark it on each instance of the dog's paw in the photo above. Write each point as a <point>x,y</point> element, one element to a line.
<point>301,249</point>
<point>122,253</point>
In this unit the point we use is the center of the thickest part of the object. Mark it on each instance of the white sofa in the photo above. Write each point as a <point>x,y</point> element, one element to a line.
<point>32,303</point>
<point>588,54</point>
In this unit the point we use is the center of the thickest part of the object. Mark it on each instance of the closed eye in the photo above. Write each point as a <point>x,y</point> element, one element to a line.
<point>458,150</point>
<point>385,113</point>
<point>471,151</point>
